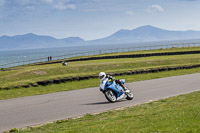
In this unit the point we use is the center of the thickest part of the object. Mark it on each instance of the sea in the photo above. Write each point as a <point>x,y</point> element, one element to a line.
<point>13,56</point>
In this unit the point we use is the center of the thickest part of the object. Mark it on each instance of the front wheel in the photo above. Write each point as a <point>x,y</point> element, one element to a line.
<point>129,94</point>
<point>110,96</point>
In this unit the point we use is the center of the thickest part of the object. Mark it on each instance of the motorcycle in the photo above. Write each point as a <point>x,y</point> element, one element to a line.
<point>115,91</point>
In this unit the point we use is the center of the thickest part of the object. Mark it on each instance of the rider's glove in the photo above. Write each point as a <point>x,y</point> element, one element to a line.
<point>111,78</point>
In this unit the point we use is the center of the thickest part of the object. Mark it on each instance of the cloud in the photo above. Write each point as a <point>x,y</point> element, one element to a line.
<point>30,7</point>
<point>129,13</point>
<point>62,6</point>
<point>47,1</point>
<point>23,2</point>
<point>154,8</point>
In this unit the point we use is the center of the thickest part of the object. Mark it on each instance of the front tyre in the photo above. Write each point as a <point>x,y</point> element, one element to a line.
<point>129,94</point>
<point>110,96</point>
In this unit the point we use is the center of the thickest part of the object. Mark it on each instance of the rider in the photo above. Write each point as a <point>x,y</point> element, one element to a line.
<point>107,78</point>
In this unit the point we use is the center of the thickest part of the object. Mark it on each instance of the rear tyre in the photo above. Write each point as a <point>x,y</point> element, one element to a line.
<point>129,94</point>
<point>110,96</point>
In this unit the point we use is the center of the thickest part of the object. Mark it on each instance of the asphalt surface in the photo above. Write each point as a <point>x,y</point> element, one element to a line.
<point>34,110</point>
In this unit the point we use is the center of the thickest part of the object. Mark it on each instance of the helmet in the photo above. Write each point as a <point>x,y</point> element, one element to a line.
<point>102,75</point>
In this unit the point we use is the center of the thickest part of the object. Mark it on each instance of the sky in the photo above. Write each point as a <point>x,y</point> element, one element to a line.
<point>94,19</point>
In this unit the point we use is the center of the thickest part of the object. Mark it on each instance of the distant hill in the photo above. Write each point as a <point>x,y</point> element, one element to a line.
<point>31,41</point>
<point>141,34</point>
<point>147,34</point>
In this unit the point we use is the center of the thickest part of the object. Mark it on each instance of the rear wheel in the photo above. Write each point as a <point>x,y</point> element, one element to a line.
<point>129,94</point>
<point>110,96</point>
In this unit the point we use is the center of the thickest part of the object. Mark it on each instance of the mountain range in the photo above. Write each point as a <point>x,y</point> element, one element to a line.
<point>141,34</point>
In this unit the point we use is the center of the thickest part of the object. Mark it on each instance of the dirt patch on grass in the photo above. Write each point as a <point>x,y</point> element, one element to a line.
<point>39,72</point>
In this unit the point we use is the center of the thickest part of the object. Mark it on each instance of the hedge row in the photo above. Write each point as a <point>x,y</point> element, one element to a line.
<point>126,56</point>
<point>69,79</point>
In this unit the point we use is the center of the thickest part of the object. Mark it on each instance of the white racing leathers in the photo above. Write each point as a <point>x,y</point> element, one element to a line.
<point>103,84</point>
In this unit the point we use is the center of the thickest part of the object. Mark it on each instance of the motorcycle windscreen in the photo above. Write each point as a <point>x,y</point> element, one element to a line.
<point>122,81</point>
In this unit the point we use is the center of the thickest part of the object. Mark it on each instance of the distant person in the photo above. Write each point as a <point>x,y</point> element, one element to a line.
<point>50,58</point>
<point>64,63</point>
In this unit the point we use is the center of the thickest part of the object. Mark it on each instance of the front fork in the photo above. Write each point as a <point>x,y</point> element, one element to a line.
<point>118,82</point>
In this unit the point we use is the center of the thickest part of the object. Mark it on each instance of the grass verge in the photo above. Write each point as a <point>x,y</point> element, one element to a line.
<point>179,114</point>
<point>32,74</point>
<point>21,92</point>
<point>174,49</point>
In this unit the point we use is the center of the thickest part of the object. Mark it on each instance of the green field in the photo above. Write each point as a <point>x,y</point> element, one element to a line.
<point>30,74</point>
<point>144,52</point>
<point>137,52</point>
<point>21,92</point>
<point>179,114</point>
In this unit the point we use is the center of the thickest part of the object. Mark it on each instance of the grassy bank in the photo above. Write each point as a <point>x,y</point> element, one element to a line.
<point>32,74</point>
<point>143,52</point>
<point>179,114</point>
<point>21,92</point>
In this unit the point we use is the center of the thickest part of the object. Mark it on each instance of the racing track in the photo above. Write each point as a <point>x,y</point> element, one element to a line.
<point>34,110</point>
